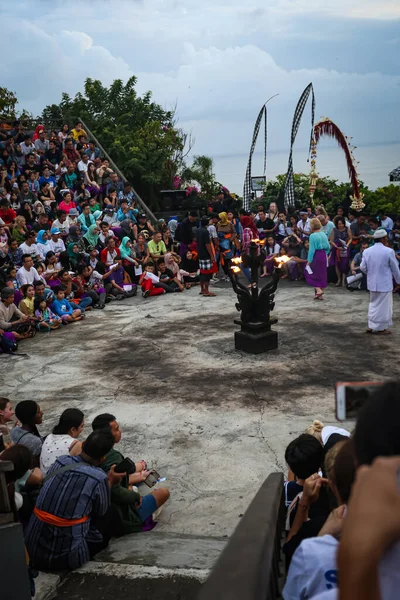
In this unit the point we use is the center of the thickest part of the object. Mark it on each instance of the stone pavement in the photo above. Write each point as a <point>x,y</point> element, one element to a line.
<point>214,421</point>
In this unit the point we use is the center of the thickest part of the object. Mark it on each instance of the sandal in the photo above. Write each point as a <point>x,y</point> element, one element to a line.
<point>384,332</point>
<point>209,295</point>
<point>319,296</point>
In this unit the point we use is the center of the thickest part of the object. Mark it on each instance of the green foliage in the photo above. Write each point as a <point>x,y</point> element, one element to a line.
<point>8,102</point>
<point>386,198</point>
<point>201,172</point>
<point>140,136</point>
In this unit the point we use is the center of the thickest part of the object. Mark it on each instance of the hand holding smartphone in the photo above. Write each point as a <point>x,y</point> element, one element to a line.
<point>351,396</point>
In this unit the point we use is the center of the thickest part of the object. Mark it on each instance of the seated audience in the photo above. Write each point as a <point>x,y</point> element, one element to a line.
<point>62,533</point>
<point>63,439</point>
<point>29,415</point>
<point>130,509</point>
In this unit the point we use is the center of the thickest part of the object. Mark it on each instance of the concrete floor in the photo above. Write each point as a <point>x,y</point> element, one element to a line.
<point>214,421</point>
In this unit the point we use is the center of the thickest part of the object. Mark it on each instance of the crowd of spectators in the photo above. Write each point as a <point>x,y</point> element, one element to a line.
<point>329,543</point>
<point>72,495</point>
<point>72,238</point>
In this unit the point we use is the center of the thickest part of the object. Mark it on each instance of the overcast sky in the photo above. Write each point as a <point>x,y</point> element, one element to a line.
<point>219,61</point>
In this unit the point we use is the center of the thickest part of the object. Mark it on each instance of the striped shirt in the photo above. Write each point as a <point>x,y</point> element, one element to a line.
<point>74,494</point>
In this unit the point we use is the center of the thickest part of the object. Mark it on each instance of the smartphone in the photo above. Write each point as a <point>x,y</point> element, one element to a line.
<point>126,466</point>
<point>152,479</point>
<point>351,396</point>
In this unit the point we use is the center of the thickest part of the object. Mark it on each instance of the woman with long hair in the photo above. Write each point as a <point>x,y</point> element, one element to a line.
<point>90,180</point>
<point>63,439</point>
<point>315,272</point>
<point>63,134</point>
<point>340,240</point>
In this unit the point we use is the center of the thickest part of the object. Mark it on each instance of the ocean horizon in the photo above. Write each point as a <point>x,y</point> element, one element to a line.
<point>376,162</point>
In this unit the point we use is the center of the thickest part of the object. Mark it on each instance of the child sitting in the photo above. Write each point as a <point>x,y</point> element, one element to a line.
<point>63,308</point>
<point>148,280</point>
<point>47,320</point>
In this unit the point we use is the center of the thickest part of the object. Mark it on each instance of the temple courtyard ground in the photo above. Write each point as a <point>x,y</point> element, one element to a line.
<point>214,421</point>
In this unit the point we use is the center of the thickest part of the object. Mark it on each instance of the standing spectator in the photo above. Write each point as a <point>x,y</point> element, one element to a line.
<point>207,262</point>
<point>184,233</point>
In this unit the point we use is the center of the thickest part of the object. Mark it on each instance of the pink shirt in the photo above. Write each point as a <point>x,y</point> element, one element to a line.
<point>67,207</point>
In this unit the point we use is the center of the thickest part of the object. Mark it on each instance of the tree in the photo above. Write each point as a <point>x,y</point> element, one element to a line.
<point>202,173</point>
<point>140,136</point>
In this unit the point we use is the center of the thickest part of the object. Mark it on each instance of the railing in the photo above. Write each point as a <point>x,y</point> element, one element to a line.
<point>139,200</point>
<point>13,568</point>
<point>53,125</point>
<point>250,567</point>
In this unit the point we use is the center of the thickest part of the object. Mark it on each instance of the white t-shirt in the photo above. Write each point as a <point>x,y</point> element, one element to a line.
<point>330,430</point>
<point>83,166</point>
<point>32,249</point>
<point>53,447</point>
<point>274,250</point>
<point>24,276</point>
<point>212,231</point>
<point>57,246</point>
<point>313,572</point>
<point>313,568</point>
<point>63,227</point>
<point>304,227</point>
<point>387,223</point>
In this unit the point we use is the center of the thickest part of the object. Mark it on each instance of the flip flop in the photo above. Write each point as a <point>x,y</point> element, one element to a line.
<point>319,296</point>
<point>209,295</point>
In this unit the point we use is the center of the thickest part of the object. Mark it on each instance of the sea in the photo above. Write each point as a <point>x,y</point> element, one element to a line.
<point>375,163</point>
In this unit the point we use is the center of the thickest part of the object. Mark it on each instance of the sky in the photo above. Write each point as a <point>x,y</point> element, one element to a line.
<point>217,61</point>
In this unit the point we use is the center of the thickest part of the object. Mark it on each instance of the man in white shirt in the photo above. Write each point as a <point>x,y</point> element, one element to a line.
<point>56,243</point>
<point>304,225</point>
<point>27,273</point>
<point>380,265</point>
<point>27,146</point>
<point>30,246</point>
<point>83,164</point>
<point>386,222</point>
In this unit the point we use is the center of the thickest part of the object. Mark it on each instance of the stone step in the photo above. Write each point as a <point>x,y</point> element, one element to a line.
<point>164,550</point>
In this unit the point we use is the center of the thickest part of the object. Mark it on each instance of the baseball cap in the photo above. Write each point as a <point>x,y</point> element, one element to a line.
<point>55,231</point>
<point>73,212</point>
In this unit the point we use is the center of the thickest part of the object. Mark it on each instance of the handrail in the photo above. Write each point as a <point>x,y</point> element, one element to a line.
<point>249,566</point>
<point>142,204</point>
<point>50,125</point>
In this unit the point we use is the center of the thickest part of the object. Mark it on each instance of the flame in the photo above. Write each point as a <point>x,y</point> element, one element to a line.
<point>282,260</point>
<point>235,269</point>
<point>237,260</point>
<point>256,241</point>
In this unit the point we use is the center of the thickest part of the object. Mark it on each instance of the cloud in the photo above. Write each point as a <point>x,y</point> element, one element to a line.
<point>217,61</point>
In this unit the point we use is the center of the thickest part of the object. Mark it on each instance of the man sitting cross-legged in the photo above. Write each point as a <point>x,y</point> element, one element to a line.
<point>63,532</point>
<point>129,509</point>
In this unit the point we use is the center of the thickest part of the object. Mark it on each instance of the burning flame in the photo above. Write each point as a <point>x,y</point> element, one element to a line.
<point>237,260</point>
<point>235,269</point>
<point>282,260</point>
<point>256,241</point>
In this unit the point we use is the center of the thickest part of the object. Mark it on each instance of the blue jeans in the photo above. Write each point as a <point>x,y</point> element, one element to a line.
<point>246,272</point>
<point>84,303</point>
